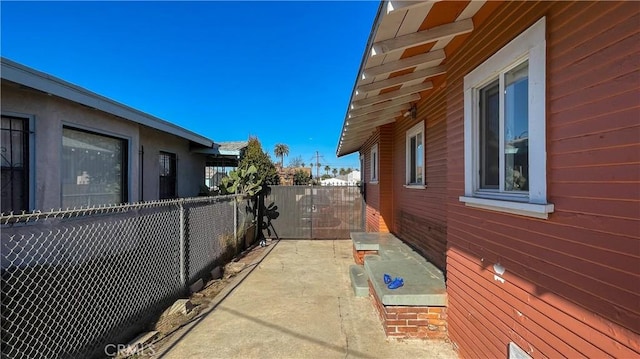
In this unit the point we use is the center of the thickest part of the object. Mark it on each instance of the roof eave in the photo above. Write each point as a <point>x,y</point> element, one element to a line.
<point>23,75</point>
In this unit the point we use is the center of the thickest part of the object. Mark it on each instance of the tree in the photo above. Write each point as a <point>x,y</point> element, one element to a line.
<point>301,177</point>
<point>318,165</point>
<point>334,171</point>
<point>281,150</point>
<point>327,169</point>
<point>254,155</point>
<point>342,171</point>
<point>296,162</point>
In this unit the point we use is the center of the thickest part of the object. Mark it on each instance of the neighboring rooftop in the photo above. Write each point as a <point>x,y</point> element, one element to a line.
<point>28,77</point>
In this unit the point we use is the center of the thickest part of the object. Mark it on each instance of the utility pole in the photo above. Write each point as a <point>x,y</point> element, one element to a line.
<point>317,165</point>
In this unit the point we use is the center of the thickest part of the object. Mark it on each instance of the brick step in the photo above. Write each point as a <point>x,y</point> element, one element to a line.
<point>359,280</point>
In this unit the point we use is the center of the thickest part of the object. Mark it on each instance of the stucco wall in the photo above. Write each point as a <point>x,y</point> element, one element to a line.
<point>189,168</point>
<point>50,114</point>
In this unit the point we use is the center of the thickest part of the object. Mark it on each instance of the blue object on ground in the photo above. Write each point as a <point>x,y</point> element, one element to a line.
<point>396,283</point>
<point>387,278</point>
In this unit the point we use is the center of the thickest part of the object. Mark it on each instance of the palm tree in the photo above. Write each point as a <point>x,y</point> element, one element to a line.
<point>327,169</point>
<point>302,164</point>
<point>335,172</point>
<point>281,150</point>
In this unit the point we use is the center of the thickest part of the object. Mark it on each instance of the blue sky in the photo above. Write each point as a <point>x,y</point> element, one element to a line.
<point>281,71</point>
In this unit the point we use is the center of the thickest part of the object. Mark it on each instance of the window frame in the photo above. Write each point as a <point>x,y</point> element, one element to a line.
<point>125,181</point>
<point>374,163</point>
<point>529,45</point>
<point>173,160</point>
<point>30,157</point>
<point>417,129</point>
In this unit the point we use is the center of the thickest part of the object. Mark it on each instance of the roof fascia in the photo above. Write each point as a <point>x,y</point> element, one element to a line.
<point>20,74</point>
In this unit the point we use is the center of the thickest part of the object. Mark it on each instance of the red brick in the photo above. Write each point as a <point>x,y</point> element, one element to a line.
<point>407,329</point>
<point>408,316</point>
<point>428,316</point>
<point>418,322</point>
<point>436,309</point>
<point>420,309</point>
<point>437,322</point>
<point>396,322</point>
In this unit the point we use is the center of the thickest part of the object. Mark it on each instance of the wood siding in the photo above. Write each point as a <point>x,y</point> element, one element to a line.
<point>420,214</point>
<point>572,282</point>
<point>372,190</point>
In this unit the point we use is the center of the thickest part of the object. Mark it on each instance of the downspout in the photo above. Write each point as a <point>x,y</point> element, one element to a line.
<point>141,174</point>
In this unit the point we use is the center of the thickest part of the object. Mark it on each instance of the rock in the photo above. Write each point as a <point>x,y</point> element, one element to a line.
<point>233,268</point>
<point>182,306</point>
<point>216,273</point>
<point>138,345</point>
<point>197,286</point>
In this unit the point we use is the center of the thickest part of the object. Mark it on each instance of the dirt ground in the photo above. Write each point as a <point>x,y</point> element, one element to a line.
<point>200,301</point>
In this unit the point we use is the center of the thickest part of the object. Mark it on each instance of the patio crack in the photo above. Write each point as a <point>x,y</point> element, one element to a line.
<point>342,330</point>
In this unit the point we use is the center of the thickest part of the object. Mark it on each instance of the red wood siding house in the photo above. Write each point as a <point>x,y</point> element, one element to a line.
<point>551,265</point>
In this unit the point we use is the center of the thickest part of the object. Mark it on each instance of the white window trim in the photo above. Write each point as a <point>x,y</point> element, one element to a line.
<point>531,45</point>
<point>374,164</point>
<point>416,129</point>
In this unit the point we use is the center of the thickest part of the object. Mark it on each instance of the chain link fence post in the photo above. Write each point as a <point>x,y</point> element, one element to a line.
<point>183,246</point>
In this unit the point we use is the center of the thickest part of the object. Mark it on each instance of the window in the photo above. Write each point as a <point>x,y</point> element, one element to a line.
<point>14,154</point>
<point>94,168</point>
<point>504,111</point>
<point>167,175</point>
<point>415,156</point>
<point>374,163</point>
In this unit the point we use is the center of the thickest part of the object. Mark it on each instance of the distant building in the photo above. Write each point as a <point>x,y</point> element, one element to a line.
<point>287,174</point>
<point>333,182</point>
<point>223,158</point>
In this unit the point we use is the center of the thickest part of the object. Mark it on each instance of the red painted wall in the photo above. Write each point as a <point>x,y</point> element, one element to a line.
<point>571,282</point>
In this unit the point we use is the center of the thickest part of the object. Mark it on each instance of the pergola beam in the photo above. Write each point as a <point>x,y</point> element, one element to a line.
<point>405,91</point>
<point>372,123</point>
<point>395,6</point>
<point>435,57</point>
<point>422,37</point>
<point>399,80</point>
<point>393,110</point>
<point>384,105</point>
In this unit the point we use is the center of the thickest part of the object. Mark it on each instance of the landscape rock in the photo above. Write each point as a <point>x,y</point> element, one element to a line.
<point>233,268</point>
<point>197,286</point>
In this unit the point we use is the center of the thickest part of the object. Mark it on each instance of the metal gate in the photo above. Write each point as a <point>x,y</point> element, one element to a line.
<point>306,212</point>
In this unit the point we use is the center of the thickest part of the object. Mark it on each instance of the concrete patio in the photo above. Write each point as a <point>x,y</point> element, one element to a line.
<point>296,302</point>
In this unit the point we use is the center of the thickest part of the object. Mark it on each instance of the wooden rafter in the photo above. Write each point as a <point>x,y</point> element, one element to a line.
<point>399,80</point>
<point>422,37</point>
<point>433,58</point>
<point>405,91</point>
<point>384,105</point>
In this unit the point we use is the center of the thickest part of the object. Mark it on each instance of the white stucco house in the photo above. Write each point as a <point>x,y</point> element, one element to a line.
<point>333,182</point>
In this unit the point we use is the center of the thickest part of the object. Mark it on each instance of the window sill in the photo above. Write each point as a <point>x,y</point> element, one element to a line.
<point>415,186</point>
<point>520,208</point>
<point>373,182</point>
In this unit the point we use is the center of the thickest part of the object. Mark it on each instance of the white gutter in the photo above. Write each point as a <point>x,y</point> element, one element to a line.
<point>363,63</point>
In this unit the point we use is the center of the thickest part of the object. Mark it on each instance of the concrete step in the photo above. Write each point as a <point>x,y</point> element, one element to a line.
<point>359,280</point>
<point>422,287</point>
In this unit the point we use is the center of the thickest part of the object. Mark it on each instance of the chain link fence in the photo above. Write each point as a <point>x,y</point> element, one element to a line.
<point>75,281</point>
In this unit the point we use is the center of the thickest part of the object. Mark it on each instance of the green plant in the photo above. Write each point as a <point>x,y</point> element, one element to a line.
<point>244,180</point>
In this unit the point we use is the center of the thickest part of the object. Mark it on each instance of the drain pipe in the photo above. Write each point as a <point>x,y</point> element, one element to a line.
<point>141,174</point>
